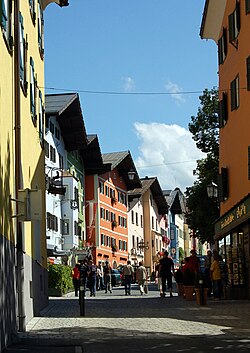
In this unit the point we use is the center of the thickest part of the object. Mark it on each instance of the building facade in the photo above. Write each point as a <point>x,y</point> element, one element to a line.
<point>228,24</point>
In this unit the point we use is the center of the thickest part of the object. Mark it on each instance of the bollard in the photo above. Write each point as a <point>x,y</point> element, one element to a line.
<point>82,297</point>
<point>201,291</point>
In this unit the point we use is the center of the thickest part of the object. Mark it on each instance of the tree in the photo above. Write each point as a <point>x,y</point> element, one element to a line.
<point>202,211</point>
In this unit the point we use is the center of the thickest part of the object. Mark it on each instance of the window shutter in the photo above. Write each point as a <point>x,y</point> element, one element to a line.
<point>222,183</point>
<point>225,41</point>
<point>4,16</point>
<point>248,162</point>
<point>223,112</point>
<point>220,48</point>
<point>231,22</point>
<point>247,4</point>
<point>22,47</point>
<point>233,94</point>
<point>237,16</point>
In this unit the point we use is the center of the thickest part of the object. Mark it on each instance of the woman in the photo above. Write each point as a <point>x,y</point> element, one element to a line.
<point>141,277</point>
<point>216,276</point>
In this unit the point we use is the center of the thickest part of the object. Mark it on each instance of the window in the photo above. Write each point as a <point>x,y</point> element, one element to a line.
<point>51,127</point>
<point>156,224</point>
<point>101,187</point>
<point>76,229</point>
<point>102,213</point>
<point>223,189</point>
<point>52,154</point>
<point>223,111</point>
<point>5,15</point>
<point>52,222</point>
<point>40,26</point>
<point>248,73</point>
<point>133,241</point>
<point>136,218</point>
<point>234,23</point>
<point>247,3</point>
<point>41,119</point>
<point>33,92</point>
<point>132,217</point>
<point>106,190</point>
<point>61,162</point>
<point>46,148</point>
<point>102,239</point>
<point>32,10</point>
<point>222,47</point>
<point>235,94</point>
<point>141,221</point>
<point>153,224</point>
<point>23,55</point>
<point>57,133</point>
<point>65,226</point>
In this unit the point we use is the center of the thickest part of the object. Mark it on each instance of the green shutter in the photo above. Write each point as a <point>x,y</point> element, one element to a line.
<point>32,89</point>
<point>231,27</point>
<point>233,94</point>
<point>4,15</point>
<point>22,47</point>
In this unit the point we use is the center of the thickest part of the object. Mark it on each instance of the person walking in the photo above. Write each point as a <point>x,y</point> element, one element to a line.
<point>107,277</point>
<point>166,270</point>
<point>141,278</point>
<point>216,276</point>
<point>128,276</point>
<point>76,278</point>
<point>208,262</point>
<point>92,278</point>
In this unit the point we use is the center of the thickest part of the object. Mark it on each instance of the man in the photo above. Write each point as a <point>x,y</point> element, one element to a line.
<point>107,277</point>
<point>128,276</point>
<point>141,277</point>
<point>194,262</point>
<point>208,262</point>
<point>166,270</point>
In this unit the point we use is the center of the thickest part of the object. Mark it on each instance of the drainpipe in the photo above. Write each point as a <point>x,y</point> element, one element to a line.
<point>18,182</point>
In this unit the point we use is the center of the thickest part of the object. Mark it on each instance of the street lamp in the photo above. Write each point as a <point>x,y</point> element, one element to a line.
<point>212,190</point>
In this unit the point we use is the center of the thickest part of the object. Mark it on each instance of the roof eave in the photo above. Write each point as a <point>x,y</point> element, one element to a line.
<point>212,19</point>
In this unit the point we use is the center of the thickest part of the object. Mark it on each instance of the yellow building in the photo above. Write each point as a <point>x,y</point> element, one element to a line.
<point>23,290</point>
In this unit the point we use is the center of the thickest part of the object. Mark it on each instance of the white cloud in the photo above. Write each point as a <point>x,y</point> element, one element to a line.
<point>128,84</point>
<point>176,91</point>
<point>167,152</point>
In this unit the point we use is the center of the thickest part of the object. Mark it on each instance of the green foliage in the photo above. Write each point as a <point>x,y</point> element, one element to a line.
<point>181,254</point>
<point>202,211</point>
<point>59,277</point>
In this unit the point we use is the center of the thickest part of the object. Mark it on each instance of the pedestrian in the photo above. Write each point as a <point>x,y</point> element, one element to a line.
<point>194,261</point>
<point>224,276</point>
<point>207,265</point>
<point>216,276</point>
<point>83,274</point>
<point>107,277</point>
<point>99,277</point>
<point>75,274</point>
<point>141,278</point>
<point>128,276</point>
<point>92,278</point>
<point>158,278</point>
<point>166,270</point>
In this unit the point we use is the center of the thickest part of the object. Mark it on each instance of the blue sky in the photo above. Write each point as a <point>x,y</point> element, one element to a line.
<point>134,46</point>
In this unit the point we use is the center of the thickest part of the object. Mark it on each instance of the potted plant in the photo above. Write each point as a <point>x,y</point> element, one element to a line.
<point>179,281</point>
<point>201,288</point>
<point>113,200</point>
<point>114,224</point>
<point>188,283</point>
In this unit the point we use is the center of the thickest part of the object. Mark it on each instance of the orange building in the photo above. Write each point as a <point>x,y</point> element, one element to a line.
<point>107,208</point>
<point>228,24</point>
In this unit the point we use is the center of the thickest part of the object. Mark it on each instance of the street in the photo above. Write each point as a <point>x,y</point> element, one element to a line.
<point>118,323</point>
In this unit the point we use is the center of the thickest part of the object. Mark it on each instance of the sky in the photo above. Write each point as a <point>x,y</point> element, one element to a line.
<point>139,67</point>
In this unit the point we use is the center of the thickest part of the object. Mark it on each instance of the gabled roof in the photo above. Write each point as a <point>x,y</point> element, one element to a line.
<point>176,201</point>
<point>67,108</point>
<point>92,157</point>
<point>153,184</point>
<point>124,163</point>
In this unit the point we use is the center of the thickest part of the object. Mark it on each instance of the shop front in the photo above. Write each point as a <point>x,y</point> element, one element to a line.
<point>232,241</point>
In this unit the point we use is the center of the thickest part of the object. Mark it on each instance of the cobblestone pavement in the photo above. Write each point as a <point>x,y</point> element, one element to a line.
<point>135,323</point>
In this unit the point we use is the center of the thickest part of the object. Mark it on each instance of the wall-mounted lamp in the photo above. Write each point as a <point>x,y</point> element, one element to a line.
<point>212,190</point>
<point>131,174</point>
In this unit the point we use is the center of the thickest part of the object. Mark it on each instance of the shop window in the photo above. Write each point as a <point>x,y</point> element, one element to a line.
<point>222,47</point>
<point>235,93</point>
<point>223,111</point>
<point>234,23</point>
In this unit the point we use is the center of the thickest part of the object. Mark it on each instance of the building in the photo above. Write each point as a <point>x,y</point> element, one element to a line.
<point>65,137</point>
<point>228,24</point>
<point>23,292</point>
<point>107,208</point>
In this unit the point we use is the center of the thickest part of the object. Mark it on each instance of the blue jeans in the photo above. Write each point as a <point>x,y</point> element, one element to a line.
<point>127,282</point>
<point>92,285</point>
